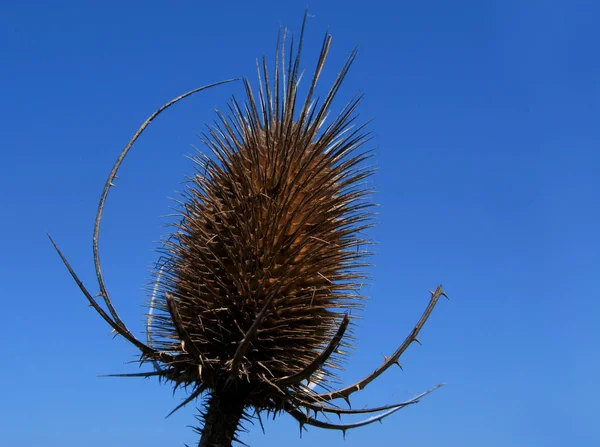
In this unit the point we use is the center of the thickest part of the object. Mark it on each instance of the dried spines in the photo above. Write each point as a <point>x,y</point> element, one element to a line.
<point>273,220</point>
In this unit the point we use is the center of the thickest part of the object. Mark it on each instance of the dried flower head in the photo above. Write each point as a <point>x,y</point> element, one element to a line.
<point>253,301</point>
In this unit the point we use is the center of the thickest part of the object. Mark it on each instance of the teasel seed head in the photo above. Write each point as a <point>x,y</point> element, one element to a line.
<point>252,303</point>
<point>268,255</point>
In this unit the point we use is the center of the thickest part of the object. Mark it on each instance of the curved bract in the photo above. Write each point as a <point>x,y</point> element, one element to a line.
<point>260,279</point>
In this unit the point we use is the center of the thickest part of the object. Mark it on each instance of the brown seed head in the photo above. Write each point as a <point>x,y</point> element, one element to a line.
<point>268,250</point>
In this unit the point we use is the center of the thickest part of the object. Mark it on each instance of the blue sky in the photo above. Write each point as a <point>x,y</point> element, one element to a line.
<point>486,123</point>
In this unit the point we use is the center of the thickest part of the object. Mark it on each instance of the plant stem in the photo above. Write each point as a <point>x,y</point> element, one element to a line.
<point>222,418</point>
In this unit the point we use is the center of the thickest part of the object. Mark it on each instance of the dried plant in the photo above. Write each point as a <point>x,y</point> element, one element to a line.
<point>252,305</point>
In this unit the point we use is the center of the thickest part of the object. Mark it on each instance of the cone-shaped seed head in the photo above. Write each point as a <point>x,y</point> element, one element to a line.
<point>268,247</point>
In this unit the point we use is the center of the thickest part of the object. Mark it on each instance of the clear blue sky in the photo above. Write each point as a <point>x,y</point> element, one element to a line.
<point>486,117</point>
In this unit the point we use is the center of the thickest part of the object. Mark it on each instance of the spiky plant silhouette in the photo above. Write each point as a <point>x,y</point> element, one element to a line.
<point>253,302</point>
